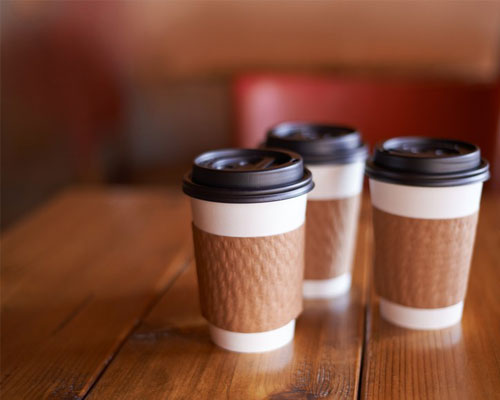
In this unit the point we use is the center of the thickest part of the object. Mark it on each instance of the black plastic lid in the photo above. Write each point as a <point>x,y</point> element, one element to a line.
<point>318,144</point>
<point>247,176</point>
<point>421,161</point>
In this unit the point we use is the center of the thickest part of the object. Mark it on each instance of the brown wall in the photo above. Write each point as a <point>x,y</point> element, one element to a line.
<point>90,87</point>
<point>201,38</point>
<point>437,37</point>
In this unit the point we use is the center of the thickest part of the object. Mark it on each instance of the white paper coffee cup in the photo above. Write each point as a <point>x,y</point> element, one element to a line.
<point>336,156</point>
<point>424,203</point>
<point>248,221</point>
<point>425,195</point>
<point>248,213</point>
<point>335,182</point>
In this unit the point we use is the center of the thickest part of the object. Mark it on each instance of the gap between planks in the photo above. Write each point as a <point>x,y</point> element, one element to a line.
<point>185,264</point>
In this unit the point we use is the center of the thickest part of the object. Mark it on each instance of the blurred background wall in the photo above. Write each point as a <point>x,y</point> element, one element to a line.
<point>128,92</point>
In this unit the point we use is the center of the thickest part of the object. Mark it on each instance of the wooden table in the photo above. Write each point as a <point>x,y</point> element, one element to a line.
<point>99,301</point>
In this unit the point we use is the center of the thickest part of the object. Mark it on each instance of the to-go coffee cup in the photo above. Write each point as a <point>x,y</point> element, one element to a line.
<point>425,195</point>
<point>336,157</point>
<point>248,209</point>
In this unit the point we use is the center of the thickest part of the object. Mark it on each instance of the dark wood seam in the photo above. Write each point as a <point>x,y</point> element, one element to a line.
<point>137,323</point>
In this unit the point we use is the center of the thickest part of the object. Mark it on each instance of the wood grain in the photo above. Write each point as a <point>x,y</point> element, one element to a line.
<point>461,362</point>
<point>97,303</point>
<point>170,355</point>
<point>77,276</point>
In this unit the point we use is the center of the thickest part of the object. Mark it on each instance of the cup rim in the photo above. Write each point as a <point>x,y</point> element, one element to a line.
<point>427,162</point>
<point>247,176</point>
<point>319,143</point>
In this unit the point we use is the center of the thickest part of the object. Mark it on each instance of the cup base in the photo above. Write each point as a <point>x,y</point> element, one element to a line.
<point>421,318</point>
<point>258,342</point>
<point>326,288</point>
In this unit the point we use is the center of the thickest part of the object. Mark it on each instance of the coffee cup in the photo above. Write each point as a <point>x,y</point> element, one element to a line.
<point>336,156</point>
<point>248,212</point>
<point>425,195</point>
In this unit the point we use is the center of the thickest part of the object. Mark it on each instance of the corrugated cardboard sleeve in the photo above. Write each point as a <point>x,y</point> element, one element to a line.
<point>422,263</point>
<point>331,227</point>
<point>250,284</point>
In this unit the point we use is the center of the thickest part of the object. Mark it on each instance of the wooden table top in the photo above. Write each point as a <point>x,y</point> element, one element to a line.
<point>99,300</point>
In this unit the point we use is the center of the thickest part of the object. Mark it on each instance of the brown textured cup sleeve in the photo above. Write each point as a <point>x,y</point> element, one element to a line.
<point>331,227</point>
<point>422,263</point>
<point>250,284</point>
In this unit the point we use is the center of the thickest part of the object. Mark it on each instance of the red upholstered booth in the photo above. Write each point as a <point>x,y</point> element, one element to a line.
<point>380,108</point>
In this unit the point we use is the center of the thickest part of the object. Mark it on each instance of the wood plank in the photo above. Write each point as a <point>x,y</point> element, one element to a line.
<point>50,222</point>
<point>77,277</point>
<point>170,355</point>
<point>461,362</point>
